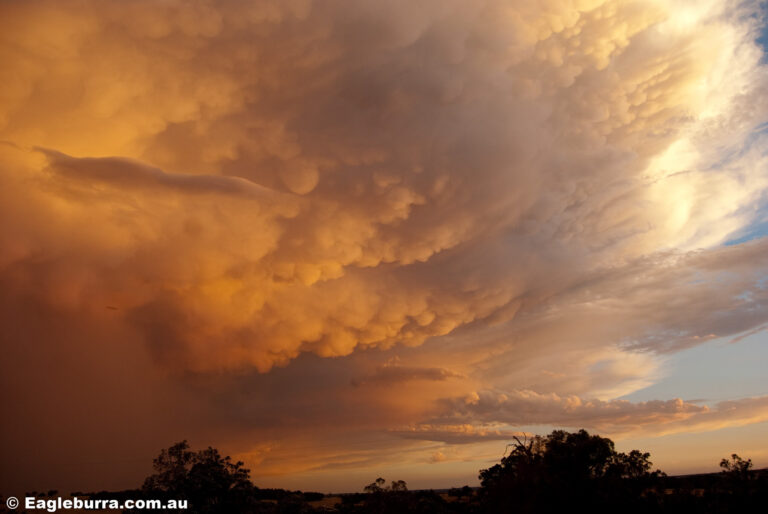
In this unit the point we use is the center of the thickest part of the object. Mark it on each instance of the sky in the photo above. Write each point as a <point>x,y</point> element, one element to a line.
<point>346,239</point>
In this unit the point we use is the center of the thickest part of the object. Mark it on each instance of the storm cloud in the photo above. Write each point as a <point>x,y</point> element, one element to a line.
<point>383,207</point>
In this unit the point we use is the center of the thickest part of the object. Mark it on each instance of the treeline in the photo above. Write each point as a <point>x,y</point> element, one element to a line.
<point>211,484</point>
<point>565,471</point>
<point>562,470</point>
<point>543,474</point>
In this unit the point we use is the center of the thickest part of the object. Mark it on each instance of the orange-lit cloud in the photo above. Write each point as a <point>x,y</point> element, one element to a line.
<point>340,217</point>
<point>616,416</point>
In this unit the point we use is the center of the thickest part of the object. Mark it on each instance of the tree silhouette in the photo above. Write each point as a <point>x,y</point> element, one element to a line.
<point>550,473</point>
<point>632,465</point>
<point>542,474</point>
<point>376,486</point>
<point>398,485</point>
<point>737,467</point>
<point>394,498</point>
<point>211,483</point>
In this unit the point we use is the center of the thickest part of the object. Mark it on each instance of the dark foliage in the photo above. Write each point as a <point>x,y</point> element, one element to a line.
<point>555,472</point>
<point>214,484</point>
<point>392,499</point>
<point>560,472</point>
<point>563,470</point>
<point>209,482</point>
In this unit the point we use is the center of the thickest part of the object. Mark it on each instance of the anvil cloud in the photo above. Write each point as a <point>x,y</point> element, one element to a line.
<point>315,223</point>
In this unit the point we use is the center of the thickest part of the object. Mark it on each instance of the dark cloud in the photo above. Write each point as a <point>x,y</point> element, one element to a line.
<point>126,173</point>
<point>394,373</point>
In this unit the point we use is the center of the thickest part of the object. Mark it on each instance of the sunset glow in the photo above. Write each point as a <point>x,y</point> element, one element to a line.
<point>347,239</point>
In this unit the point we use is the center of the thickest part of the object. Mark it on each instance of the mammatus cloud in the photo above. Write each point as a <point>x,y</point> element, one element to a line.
<point>416,144</point>
<point>509,196</point>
